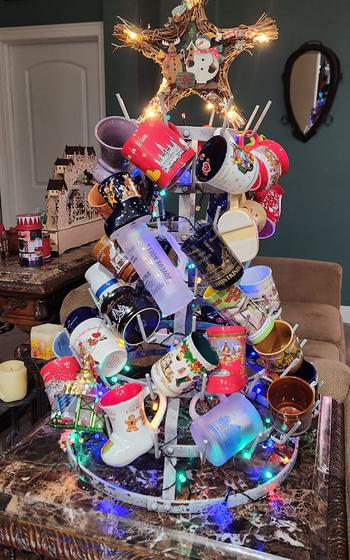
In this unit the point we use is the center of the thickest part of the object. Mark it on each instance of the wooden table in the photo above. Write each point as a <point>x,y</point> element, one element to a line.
<point>30,296</point>
<point>47,509</point>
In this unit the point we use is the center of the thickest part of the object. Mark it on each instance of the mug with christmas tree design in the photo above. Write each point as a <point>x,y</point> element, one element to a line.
<point>178,370</point>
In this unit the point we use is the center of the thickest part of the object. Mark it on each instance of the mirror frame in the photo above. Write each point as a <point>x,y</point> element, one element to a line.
<point>335,77</point>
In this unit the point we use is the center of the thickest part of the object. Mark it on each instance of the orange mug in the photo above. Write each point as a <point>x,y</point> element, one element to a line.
<point>110,254</point>
<point>96,201</point>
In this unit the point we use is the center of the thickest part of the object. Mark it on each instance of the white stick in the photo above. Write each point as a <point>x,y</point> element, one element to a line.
<point>163,108</point>
<point>295,328</point>
<point>211,118</point>
<point>204,386</point>
<point>262,116</point>
<point>156,445</point>
<point>122,106</point>
<point>204,454</point>
<point>225,123</point>
<point>251,118</point>
<point>216,217</point>
<point>141,327</point>
<point>150,387</point>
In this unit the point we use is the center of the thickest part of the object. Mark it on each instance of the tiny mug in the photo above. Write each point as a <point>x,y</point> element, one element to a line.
<point>226,166</point>
<point>238,309</point>
<point>98,203</point>
<point>213,258</point>
<point>130,432</point>
<point>110,255</point>
<point>226,429</point>
<point>291,400</point>
<point>231,374</point>
<point>280,348</point>
<point>258,284</point>
<point>178,370</point>
<point>271,201</point>
<point>159,151</point>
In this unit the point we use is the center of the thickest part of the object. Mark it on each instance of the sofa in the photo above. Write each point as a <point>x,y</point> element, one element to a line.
<point>310,292</point>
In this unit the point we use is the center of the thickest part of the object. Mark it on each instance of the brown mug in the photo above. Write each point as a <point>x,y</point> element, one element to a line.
<point>280,348</point>
<point>96,201</point>
<point>110,255</point>
<point>291,400</point>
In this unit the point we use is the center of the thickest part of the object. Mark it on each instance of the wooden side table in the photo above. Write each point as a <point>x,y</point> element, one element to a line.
<point>30,296</point>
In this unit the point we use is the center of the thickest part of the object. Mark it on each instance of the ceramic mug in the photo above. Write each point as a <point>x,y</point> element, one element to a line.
<point>238,309</point>
<point>102,282</point>
<point>280,348</point>
<point>291,400</point>
<point>308,373</point>
<point>118,188</point>
<point>270,167</point>
<point>271,201</point>
<point>111,133</point>
<point>91,335</point>
<point>61,345</point>
<point>57,373</point>
<point>226,166</point>
<point>258,284</point>
<point>213,258</point>
<point>98,203</point>
<point>279,152</point>
<point>226,429</point>
<point>183,365</point>
<point>111,256</point>
<point>130,432</point>
<point>159,151</point>
<point>123,306</point>
<point>231,375</point>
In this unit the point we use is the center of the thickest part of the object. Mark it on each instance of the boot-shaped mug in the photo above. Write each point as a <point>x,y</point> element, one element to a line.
<point>130,432</point>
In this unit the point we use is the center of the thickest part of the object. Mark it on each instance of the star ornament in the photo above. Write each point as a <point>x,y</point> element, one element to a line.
<point>194,55</point>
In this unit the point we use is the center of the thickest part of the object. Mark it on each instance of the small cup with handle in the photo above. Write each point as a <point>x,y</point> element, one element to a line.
<point>130,432</point>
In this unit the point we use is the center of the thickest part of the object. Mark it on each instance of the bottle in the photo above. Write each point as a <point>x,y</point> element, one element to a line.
<point>4,243</point>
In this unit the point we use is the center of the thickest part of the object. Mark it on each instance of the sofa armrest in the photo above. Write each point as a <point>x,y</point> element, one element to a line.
<point>306,281</point>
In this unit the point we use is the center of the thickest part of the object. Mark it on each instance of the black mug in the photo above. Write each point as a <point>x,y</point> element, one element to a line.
<point>122,307</point>
<point>213,258</point>
<point>118,188</point>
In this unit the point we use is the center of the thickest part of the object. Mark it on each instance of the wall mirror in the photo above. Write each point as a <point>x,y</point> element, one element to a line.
<point>311,78</point>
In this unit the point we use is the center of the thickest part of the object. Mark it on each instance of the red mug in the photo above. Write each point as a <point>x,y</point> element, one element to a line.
<point>269,164</point>
<point>279,151</point>
<point>230,375</point>
<point>159,151</point>
<point>271,201</point>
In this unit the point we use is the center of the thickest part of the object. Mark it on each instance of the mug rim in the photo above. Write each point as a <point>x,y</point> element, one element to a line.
<point>258,282</point>
<point>284,347</point>
<point>115,390</point>
<point>108,119</point>
<point>288,379</point>
<point>229,329</point>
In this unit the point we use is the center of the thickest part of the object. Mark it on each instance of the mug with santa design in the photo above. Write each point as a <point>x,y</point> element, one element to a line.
<point>270,167</point>
<point>178,370</point>
<point>224,165</point>
<point>159,151</point>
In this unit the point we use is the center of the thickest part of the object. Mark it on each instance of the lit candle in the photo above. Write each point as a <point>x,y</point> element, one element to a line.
<point>41,339</point>
<point>13,381</point>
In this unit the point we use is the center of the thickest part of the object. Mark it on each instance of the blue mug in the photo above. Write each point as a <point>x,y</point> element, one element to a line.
<point>61,345</point>
<point>78,316</point>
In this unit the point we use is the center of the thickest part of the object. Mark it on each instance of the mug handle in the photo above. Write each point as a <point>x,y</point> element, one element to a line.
<point>253,140</point>
<point>108,426</point>
<point>183,259</point>
<point>161,410</point>
<point>192,408</point>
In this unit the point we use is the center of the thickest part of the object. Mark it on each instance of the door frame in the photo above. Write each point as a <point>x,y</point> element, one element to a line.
<point>10,36</point>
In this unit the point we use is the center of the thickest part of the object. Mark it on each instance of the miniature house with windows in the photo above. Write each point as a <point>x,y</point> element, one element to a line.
<point>70,220</point>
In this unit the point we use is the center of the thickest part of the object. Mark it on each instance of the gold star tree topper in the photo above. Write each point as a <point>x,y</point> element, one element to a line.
<point>194,55</point>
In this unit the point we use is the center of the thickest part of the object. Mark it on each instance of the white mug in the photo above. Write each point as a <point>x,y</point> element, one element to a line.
<point>258,284</point>
<point>130,432</point>
<point>107,350</point>
<point>183,365</point>
<point>102,281</point>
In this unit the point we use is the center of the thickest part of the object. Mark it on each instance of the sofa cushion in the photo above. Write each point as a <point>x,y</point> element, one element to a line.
<point>319,349</point>
<point>79,297</point>
<point>317,321</point>
<point>335,377</point>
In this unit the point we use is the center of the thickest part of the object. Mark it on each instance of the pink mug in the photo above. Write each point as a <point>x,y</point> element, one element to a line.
<point>271,201</point>
<point>269,164</point>
<point>159,151</point>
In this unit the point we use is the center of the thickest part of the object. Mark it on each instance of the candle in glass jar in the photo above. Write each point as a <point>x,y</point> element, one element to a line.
<point>13,381</point>
<point>41,340</point>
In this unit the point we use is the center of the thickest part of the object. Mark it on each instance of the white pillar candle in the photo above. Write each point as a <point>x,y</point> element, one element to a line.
<point>13,381</point>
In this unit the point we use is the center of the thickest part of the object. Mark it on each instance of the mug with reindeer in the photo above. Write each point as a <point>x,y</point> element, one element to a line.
<point>180,368</point>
